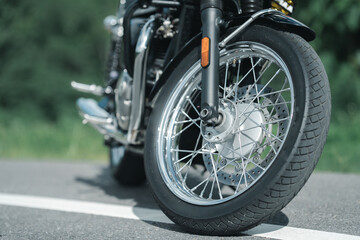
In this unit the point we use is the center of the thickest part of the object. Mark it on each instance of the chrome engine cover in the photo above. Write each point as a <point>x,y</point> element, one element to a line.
<point>123,94</point>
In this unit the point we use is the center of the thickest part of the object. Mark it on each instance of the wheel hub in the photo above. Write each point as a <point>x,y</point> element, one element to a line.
<point>222,131</point>
<point>239,131</point>
<point>247,132</point>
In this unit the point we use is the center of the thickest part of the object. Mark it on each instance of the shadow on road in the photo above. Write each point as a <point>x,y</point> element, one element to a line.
<point>279,218</point>
<point>142,196</point>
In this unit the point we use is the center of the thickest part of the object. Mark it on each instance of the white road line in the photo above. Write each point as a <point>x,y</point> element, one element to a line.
<point>75,206</point>
<point>111,210</point>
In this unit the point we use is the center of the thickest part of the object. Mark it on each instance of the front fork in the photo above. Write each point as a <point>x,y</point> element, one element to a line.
<point>211,18</point>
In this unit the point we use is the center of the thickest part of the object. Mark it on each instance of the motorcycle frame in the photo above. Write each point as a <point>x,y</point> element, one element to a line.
<point>213,24</point>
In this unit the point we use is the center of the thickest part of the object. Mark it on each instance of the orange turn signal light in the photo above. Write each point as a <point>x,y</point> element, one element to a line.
<point>205,51</point>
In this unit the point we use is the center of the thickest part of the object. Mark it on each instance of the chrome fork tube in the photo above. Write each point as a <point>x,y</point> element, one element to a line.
<point>211,14</point>
<point>139,81</point>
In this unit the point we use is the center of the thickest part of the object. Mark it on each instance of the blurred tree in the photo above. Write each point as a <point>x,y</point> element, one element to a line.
<point>44,45</point>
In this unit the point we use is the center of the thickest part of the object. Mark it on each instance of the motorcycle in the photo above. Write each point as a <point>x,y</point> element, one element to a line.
<point>223,106</point>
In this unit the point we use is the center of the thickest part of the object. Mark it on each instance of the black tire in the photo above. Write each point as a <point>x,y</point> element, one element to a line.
<point>289,171</point>
<point>127,165</point>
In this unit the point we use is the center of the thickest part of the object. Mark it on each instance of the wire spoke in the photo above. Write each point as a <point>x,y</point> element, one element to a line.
<point>278,97</point>
<point>243,78</point>
<point>194,152</point>
<point>183,130</point>
<point>237,79</point>
<point>187,121</point>
<point>193,106</point>
<point>202,151</point>
<point>241,177</point>
<point>190,161</point>
<point>255,79</point>
<point>215,174</point>
<point>188,126</point>
<point>192,120</point>
<point>263,125</point>
<point>244,169</point>
<point>192,158</point>
<point>226,77</point>
<point>202,182</point>
<point>267,94</point>
<point>263,169</point>
<point>250,176</point>
<point>274,104</point>
<point>249,104</point>
<point>263,128</point>
<point>179,160</point>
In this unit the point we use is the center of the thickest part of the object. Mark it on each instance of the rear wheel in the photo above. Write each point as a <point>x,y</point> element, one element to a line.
<point>127,164</point>
<point>275,105</point>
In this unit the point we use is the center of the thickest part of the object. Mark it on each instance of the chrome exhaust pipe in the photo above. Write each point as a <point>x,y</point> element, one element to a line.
<point>100,119</point>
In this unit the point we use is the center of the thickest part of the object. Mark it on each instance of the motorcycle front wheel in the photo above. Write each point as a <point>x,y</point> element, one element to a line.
<point>274,101</point>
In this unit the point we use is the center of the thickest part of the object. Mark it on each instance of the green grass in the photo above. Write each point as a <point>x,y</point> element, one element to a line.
<point>66,139</point>
<point>342,149</point>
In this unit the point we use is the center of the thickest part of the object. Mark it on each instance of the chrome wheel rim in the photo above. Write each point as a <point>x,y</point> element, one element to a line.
<point>230,160</point>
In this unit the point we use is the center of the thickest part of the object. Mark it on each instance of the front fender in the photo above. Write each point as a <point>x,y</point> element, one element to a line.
<point>275,20</point>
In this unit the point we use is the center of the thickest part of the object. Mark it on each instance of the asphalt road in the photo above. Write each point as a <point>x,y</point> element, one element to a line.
<point>327,203</point>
